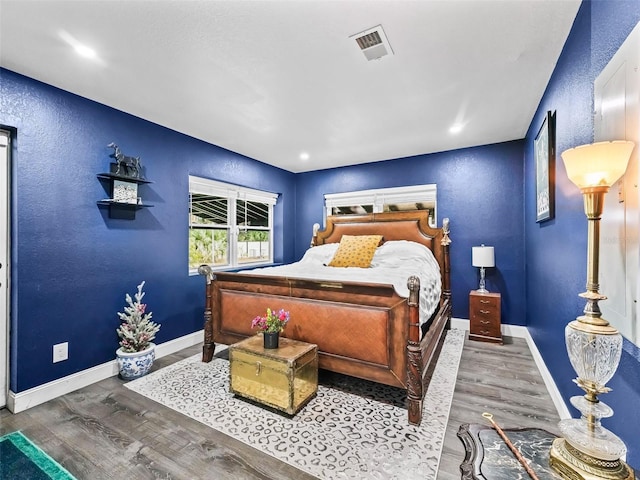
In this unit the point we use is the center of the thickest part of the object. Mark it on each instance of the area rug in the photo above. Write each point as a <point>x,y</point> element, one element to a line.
<point>22,459</point>
<point>351,429</point>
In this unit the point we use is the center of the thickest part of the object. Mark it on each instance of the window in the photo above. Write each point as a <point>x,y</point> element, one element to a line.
<point>229,226</point>
<point>418,197</point>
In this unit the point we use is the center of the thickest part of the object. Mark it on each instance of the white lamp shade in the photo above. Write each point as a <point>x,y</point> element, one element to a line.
<point>482,256</point>
<point>597,164</point>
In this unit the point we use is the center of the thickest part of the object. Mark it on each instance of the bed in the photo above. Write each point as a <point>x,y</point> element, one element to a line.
<point>363,329</point>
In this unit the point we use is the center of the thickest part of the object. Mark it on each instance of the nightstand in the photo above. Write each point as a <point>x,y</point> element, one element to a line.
<point>484,317</point>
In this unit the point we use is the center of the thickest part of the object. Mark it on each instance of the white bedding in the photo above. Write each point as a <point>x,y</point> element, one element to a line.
<point>393,263</point>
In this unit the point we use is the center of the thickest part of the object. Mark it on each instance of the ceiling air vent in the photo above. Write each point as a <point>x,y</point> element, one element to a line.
<point>373,43</point>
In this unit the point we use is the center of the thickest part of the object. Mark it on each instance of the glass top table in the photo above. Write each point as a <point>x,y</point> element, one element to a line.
<point>487,457</point>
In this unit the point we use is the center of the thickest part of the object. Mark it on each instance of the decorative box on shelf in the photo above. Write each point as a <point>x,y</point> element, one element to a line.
<point>124,199</point>
<point>125,192</point>
<point>285,378</point>
<point>484,317</point>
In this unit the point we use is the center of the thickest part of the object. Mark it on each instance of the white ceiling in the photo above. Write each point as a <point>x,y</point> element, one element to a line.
<point>271,79</point>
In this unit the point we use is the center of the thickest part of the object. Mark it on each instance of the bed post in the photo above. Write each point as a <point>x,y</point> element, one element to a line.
<point>414,354</point>
<point>314,236</point>
<point>209,346</point>
<point>446,281</point>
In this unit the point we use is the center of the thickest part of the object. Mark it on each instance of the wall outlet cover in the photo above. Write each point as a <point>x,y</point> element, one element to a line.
<point>60,352</point>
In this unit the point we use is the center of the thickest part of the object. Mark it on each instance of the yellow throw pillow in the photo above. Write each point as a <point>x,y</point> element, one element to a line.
<point>355,251</point>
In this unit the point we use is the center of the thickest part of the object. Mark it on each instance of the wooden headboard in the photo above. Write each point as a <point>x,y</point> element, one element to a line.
<point>410,225</point>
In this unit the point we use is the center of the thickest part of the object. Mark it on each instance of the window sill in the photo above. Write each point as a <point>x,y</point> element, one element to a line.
<point>194,271</point>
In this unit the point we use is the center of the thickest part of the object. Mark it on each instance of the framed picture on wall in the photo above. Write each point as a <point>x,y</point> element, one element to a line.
<point>544,154</point>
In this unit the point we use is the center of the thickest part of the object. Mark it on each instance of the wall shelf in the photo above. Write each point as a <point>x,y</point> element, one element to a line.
<point>107,202</point>
<point>124,201</point>
<point>124,178</point>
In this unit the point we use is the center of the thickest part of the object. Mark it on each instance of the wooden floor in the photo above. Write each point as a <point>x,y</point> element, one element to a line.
<point>502,380</point>
<point>106,431</point>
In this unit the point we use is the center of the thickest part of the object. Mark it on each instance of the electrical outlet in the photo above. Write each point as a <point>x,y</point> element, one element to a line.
<point>60,352</point>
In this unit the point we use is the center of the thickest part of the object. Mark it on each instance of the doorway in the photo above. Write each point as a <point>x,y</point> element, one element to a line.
<point>4,266</point>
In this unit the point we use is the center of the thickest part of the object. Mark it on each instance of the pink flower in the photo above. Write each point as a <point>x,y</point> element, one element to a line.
<point>261,323</point>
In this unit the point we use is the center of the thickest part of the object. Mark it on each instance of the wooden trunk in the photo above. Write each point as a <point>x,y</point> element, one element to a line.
<point>285,378</point>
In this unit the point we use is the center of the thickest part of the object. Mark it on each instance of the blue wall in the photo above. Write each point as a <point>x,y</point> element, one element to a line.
<point>480,189</point>
<point>72,264</point>
<point>556,250</point>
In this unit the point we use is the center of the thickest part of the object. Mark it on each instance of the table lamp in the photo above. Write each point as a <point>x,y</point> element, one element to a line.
<point>482,257</point>
<point>587,450</point>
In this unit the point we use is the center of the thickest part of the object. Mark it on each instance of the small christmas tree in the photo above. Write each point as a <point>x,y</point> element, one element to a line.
<point>137,330</point>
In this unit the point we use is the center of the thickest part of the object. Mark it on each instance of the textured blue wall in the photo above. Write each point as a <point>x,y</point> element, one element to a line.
<point>556,251</point>
<point>480,189</point>
<point>72,264</point>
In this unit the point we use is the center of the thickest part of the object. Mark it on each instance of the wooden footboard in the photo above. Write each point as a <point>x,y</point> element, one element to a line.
<point>362,330</point>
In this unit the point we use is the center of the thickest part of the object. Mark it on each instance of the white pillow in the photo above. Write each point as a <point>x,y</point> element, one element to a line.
<point>321,254</point>
<point>393,251</point>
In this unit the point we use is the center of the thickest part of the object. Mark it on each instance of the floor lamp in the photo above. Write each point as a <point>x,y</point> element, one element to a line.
<point>587,450</point>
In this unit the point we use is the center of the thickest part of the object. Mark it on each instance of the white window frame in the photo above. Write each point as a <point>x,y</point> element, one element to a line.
<point>384,196</point>
<point>232,193</point>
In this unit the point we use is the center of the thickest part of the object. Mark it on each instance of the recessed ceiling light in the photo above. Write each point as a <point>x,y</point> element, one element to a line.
<point>80,48</point>
<point>84,51</point>
<point>304,156</point>
<point>456,128</point>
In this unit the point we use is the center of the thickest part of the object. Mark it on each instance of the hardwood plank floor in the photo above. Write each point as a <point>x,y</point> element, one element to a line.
<point>502,380</point>
<point>106,431</point>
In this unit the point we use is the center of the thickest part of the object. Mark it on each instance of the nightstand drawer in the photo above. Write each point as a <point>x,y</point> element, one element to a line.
<point>487,327</point>
<point>484,302</point>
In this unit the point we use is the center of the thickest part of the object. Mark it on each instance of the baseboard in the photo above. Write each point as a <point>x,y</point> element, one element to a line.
<point>460,324</point>
<point>508,330</point>
<point>561,407</point>
<point>519,331</point>
<point>18,402</point>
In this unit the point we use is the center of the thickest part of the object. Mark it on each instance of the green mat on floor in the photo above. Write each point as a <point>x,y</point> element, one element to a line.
<point>22,459</point>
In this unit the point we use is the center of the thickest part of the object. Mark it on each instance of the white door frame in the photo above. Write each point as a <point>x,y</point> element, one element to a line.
<point>617,117</point>
<point>4,261</point>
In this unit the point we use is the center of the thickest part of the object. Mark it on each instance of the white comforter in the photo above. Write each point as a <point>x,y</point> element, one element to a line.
<point>393,263</point>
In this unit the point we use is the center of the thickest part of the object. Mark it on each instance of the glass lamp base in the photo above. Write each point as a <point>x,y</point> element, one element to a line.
<point>597,442</point>
<point>481,287</point>
<point>572,464</point>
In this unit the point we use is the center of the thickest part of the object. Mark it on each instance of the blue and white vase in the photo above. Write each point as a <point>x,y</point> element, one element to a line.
<point>136,364</point>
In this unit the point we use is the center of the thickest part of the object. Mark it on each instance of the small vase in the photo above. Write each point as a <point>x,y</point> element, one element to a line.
<point>271,340</point>
<point>135,364</point>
